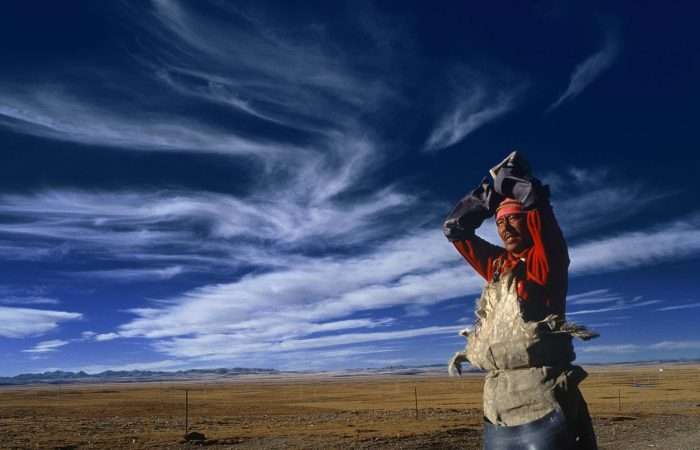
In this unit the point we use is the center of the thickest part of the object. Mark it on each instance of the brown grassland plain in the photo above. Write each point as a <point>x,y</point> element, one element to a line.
<point>633,408</point>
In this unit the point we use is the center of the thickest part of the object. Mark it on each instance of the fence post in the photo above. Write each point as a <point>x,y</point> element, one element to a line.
<point>415,395</point>
<point>619,399</point>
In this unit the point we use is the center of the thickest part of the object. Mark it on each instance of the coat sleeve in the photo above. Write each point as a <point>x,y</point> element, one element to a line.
<point>480,254</point>
<point>464,219</point>
<point>470,212</point>
<point>548,260</point>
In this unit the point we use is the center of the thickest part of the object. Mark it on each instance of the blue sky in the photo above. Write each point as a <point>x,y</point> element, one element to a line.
<point>193,184</point>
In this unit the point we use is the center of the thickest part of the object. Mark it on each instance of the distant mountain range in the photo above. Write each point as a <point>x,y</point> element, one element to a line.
<point>62,377</point>
<point>132,376</point>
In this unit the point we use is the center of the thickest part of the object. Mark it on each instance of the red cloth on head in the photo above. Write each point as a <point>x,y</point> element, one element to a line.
<point>508,207</point>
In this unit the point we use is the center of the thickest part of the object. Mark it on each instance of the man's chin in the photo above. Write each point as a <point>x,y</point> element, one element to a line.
<point>514,247</point>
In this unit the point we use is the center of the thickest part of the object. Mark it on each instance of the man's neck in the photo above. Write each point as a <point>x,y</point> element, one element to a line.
<point>519,255</point>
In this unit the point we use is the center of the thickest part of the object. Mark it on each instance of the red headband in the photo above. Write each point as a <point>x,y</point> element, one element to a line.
<point>508,207</point>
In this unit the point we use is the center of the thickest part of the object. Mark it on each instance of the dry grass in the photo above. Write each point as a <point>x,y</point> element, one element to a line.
<point>360,412</point>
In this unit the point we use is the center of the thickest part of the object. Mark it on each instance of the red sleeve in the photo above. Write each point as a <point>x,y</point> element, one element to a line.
<point>548,259</point>
<point>480,254</point>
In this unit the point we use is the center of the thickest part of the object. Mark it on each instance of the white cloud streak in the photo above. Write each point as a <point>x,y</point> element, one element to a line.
<point>679,307</point>
<point>169,225</point>
<point>28,300</point>
<point>167,364</point>
<point>676,345</point>
<point>620,307</point>
<point>587,294</point>
<point>590,199</point>
<point>251,55</point>
<point>202,346</point>
<point>589,70</point>
<point>127,275</point>
<point>612,349</point>
<point>46,346</point>
<point>24,296</point>
<point>46,112</point>
<point>25,322</point>
<point>593,297</point>
<point>298,300</point>
<point>639,348</point>
<point>105,337</point>
<point>671,241</point>
<point>477,104</point>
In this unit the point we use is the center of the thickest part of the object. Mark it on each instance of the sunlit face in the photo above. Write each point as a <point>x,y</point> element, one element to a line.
<point>514,233</point>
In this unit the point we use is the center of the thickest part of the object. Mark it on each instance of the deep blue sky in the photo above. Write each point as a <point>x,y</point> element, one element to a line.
<point>191,184</point>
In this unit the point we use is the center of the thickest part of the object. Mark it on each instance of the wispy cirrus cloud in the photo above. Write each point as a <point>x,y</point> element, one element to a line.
<point>641,348</point>
<point>51,113</point>
<point>25,322</point>
<point>611,300</point>
<point>26,296</point>
<point>105,337</point>
<point>612,348</point>
<point>590,199</point>
<point>132,274</point>
<point>589,70</point>
<point>476,101</point>
<point>190,59</point>
<point>169,226</point>
<point>595,296</point>
<point>313,293</point>
<point>28,300</point>
<point>679,307</point>
<point>664,242</point>
<point>35,295</point>
<point>28,251</point>
<point>676,345</point>
<point>620,306</point>
<point>251,55</point>
<point>200,346</point>
<point>292,296</point>
<point>47,346</point>
<point>166,364</point>
<point>306,304</point>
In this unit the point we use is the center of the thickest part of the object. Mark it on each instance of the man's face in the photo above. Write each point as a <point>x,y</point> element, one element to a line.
<point>513,232</point>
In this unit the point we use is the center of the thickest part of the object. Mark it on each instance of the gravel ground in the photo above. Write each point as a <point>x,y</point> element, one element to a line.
<point>664,432</point>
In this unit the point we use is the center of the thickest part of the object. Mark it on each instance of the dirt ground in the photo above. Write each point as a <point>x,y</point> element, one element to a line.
<point>633,408</point>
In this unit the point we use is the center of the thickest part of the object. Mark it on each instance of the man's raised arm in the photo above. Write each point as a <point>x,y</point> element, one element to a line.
<point>548,260</point>
<point>465,218</point>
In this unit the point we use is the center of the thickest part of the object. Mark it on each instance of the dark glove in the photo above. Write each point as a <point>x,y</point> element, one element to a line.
<point>512,178</point>
<point>471,212</point>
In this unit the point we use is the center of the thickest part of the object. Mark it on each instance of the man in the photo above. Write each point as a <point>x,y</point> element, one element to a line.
<point>521,338</point>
